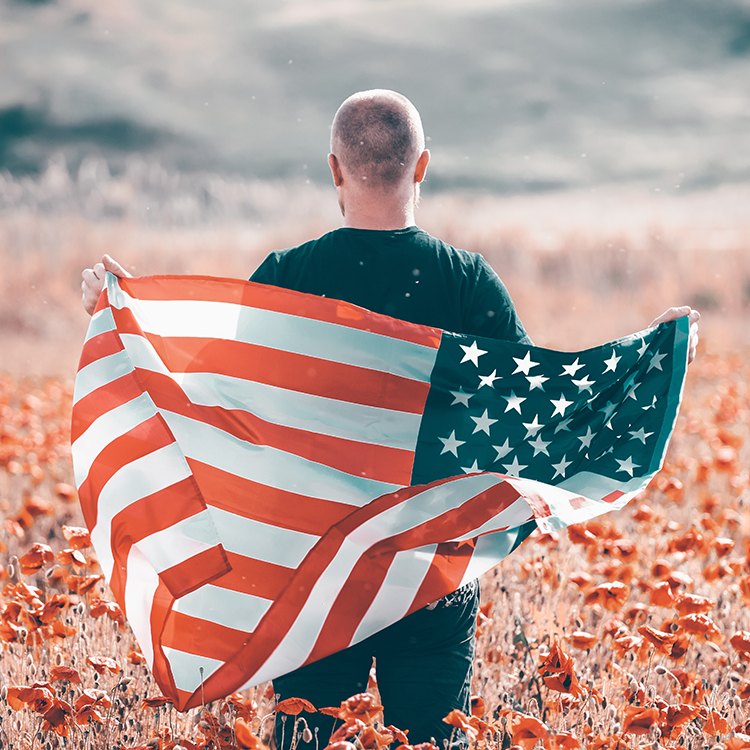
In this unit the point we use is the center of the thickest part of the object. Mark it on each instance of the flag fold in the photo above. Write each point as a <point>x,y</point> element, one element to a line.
<point>270,477</point>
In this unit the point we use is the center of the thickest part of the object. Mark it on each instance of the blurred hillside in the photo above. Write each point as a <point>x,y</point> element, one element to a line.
<point>516,95</point>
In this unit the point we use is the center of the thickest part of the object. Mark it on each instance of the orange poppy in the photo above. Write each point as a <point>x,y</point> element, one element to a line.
<point>398,735</point>
<point>661,595</point>
<point>294,706</point>
<point>738,741</point>
<point>460,720</point>
<point>612,596</point>
<point>83,584</point>
<point>581,579</point>
<point>103,664</point>
<point>72,557</point>
<point>582,640</point>
<point>36,558</point>
<point>715,724</point>
<point>639,720</point>
<point>477,705</point>
<point>361,706</point>
<point>557,670</point>
<point>66,492</point>
<point>692,604</point>
<point>349,728</point>
<point>78,537</point>
<point>56,718</point>
<point>52,607</point>
<point>741,643</point>
<point>156,701</point>
<point>701,625</point>
<point>245,709</point>
<point>371,739</point>
<point>246,740</point>
<point>676,716</point>
<point>565,740</point>
<point>62,672</point>
<point>580,535</point>
<point>528,730</point>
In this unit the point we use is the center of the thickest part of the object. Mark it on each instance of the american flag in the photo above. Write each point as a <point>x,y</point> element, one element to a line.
<point>269,476</point>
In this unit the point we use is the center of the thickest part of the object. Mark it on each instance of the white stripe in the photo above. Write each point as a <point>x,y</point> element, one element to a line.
<point>179,542</point>
<point>262,541</point>
<point>142,582</point>
<point>270,466</point>
<point>288,408</point>
<point>397,592</point>
<point>232,609</point>
<point>100,372</point>
<point>140,478</point>
<point>488,551</point>
<point>101,322</point>
<point>186,668</point>
<point>106,428</point>
<point>291,333</point>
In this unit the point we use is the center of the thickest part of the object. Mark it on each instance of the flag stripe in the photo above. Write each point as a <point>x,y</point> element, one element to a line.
<point>203,639</point>
<point>100,322</point>
<point>269,466</point>
<point>447,569</point>
<point>333,342</point>
<point>287,510</point>
<point>224,606</point>
<point>100,373</point>
<point>212,289</point>
<point>390,464</point>
<point>186,668</point>
<point>291,372</point>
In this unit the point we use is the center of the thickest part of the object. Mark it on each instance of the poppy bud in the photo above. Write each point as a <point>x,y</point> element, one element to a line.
<point>307,735</point>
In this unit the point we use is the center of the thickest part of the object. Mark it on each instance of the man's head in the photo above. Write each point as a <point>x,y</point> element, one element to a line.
<point>377,139</point>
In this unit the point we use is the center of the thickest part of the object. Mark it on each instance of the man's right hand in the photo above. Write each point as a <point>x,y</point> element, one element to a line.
<point>93,281</point>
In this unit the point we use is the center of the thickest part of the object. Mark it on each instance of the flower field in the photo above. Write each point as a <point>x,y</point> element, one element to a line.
<point>630,631</point>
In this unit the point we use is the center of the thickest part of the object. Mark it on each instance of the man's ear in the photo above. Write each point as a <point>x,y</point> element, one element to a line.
<point>333,163</point>
<point>421,168</point>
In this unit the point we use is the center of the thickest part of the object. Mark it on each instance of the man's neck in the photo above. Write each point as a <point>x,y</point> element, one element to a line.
<point>378,216</point>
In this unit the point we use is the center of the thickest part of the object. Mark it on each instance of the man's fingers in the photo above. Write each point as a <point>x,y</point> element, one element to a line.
<point>111,265</point>
<point>672,314</point>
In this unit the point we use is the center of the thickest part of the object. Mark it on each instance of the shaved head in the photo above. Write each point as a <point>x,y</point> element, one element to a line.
<point>377,137</point>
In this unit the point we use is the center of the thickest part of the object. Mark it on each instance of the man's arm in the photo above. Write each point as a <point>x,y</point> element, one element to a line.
<point>677,312</point>
<point>93,281</point>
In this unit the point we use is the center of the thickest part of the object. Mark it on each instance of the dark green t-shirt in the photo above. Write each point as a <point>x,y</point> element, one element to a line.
<point>406,274</point>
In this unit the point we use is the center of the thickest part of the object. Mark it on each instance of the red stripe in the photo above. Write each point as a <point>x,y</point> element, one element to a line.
<point>286,370</point>
<point>198,570</point>
<point>97,347</point>
<point>161,607</point>
<point>266,504</point>
<point>382,463</point>
<point>143,439</point>
<point>266,297</point>
<point>256,577</point>
<point>102,400</point>
<point>445,573</point>
<point>201,637</point>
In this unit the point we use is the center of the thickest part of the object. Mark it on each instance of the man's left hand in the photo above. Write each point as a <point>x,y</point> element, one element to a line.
<point>693,316</point>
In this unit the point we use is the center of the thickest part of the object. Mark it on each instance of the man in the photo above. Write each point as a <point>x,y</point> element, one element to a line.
<point>382,261</point>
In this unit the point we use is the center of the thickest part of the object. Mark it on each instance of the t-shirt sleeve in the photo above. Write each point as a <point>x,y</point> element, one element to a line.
<point>491,311</point>
<point>266,272</point>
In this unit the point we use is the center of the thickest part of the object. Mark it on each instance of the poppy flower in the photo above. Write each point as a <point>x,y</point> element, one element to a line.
<point>78,537</point>
<point>66,492</point>
<point>62,672</point>
<point>661,595</point>
<point>102,664</point>
<point>349,728</point>
<point>528,730</point>
<point>692,604</point>
<point>557,671</point>
<point>701,625</point>
<point>246,740</point>
<point>361,706</point>
<point>101,607</point>
<point>87,714</point>
<point>83,584</point>
<point>294,706</point>
<point>715,724</point>
<point>741,643</point>
<point>398,734</point>
<point>612,596</point>
<point>477,705</point>
<point>639,720</point>
<point>582,640</point>
<point>56,718</point>
<point>53,607</point>
<point>660,640</point>
<point>156,701</point>
<point>72,557</point>
<point>738,741</point>
<point>460,720</point>
<point>36,558</point>
<point>565,740</point>
<point>371,739</point>
<point>245,709</point>
<point>581,579</point>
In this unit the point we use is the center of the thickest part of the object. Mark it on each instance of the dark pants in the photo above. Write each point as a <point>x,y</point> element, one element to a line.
<point>424,666</point>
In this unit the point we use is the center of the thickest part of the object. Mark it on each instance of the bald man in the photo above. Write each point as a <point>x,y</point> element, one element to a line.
<point>379,259</point>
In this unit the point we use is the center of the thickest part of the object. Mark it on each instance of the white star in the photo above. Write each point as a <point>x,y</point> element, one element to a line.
<point>483,423</point>
<point>472,353</point>
<point>652,405</point>
<point>532,427</point>
<point>451,444</point>
<point>488,379</point>
<point>564,425</point>
<point>536,381</point>
<point>627,465</point>
<point>502,450</point>
<point>560,468</point>
<point>656,362</point>
<point>539,446</point>
<point>607,410</point>
<point>513,469</point>
<point>560,405</point>
<point>640,435</point>
<point>643,347</point>
<point>524,365</point>
<point>584,384</point>
<point>612,362</point>
<point>473,469</point>
<point>514,402</point>
<point>460,397</point>
<point>631,392</point>
<point>571,369</point>
<point>586,439</point>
